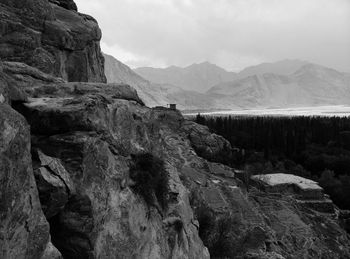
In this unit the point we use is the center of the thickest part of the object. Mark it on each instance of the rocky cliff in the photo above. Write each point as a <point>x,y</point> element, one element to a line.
<point>53,37</point>
<point>68,153</point>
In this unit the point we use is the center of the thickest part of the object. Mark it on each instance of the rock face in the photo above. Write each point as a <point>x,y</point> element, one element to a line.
<point>54,183</point>
<point>52,37</point>
<point>82,137</point>
<point>94,136</point>
<point>210,146</point>
<point>24,230</point>
<point>68,4</point>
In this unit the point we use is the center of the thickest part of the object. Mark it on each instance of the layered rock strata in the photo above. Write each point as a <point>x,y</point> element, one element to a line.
<point>53,37</point>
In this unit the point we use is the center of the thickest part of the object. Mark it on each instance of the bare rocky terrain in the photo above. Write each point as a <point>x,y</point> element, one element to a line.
<point>154,94</point>
<point>286,83</point>
<point>67,145</point>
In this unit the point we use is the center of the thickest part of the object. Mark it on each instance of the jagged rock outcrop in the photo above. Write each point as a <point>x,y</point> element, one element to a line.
<point>94,135</point>
<point>24,231</point>
<point>52,37</point>
<point>210,146</point>
<point>82,138</point>
<point>68,4</point>
<point>54,183</point>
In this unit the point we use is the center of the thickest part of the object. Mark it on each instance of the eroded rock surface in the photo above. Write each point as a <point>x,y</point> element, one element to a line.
<point>54,183</point>
<point>208,145</point>
<point>105,218</point>
<point>68,4</point>
<point>24,231</point>
<point>53,37</point>
<point>259,224</point>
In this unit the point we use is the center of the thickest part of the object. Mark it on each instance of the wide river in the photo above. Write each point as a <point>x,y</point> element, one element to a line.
<point>328,111</point>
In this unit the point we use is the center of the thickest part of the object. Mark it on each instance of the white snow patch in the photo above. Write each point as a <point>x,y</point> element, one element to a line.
<point>216,181</point>
<point>277,179</point>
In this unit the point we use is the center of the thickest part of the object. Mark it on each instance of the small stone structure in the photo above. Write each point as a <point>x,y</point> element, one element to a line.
<point>172,106</point>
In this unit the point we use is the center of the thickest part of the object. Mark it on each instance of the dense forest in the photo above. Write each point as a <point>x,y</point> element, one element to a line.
<point>312,147</point>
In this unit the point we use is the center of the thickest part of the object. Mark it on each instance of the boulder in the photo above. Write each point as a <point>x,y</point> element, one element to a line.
<point>207,145</point>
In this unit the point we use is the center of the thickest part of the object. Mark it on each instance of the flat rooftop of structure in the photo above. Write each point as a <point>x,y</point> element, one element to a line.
<point>281,179</point>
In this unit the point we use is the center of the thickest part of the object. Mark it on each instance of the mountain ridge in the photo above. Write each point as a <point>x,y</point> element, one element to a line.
<point>310,85</point>
<point>285,83</point>
<point>197,77</point>
<point>153,94</point>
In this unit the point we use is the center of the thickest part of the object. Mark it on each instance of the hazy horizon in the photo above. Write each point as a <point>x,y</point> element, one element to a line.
<point>231,34</point>
<point>199,63</point>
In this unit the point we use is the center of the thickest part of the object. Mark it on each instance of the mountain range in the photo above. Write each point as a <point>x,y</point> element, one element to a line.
<point>205,86</point>
<point>197,77</point>
<point>153,94</point>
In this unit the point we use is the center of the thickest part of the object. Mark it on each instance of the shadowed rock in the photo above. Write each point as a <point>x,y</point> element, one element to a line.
<point>24,230</point>
<point>68,4</point>
<point>207,145</point>
<point>54,183</point>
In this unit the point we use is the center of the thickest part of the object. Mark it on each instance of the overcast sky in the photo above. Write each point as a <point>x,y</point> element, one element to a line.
<point>230,33</point>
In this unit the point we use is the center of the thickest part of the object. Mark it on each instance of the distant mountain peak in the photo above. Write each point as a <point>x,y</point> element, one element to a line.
<point>285,83</point>
<point>282,67</point>
<point>312,68</point>
<point>196,77</point>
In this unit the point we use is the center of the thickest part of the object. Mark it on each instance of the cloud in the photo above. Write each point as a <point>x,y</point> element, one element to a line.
<point>230,33</point>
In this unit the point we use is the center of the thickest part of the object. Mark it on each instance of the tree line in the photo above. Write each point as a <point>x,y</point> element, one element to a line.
<point>310,146</point>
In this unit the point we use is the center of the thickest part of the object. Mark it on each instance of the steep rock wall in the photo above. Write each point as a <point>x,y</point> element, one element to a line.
<point>53,37</point>
<point>94,136</point>
<point>24,231</point>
